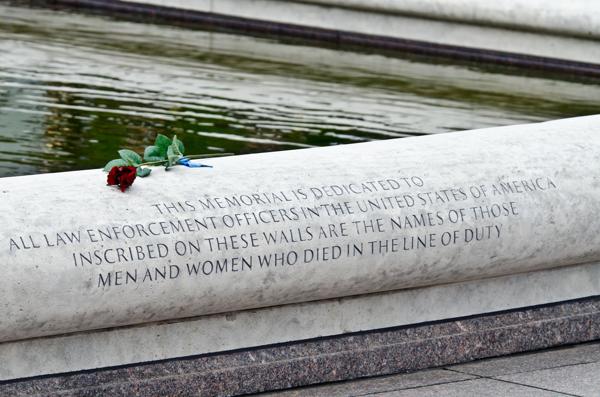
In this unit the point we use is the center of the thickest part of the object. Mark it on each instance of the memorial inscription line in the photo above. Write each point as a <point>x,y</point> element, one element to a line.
<point>372,218</point>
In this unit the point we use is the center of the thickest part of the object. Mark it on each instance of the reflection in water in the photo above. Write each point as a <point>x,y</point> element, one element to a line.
<point>75,89</point>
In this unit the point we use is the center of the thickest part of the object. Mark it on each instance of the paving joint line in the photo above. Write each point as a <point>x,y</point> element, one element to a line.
<point>536,387</point>
<point>420,387</point>
<point>520,372</point>
<point>517,383</point>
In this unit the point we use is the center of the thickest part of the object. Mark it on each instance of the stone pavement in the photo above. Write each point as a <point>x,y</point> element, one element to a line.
<point>567,371</point>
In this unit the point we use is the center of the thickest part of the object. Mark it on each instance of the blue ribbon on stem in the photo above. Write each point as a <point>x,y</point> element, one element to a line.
<point>186,162</point>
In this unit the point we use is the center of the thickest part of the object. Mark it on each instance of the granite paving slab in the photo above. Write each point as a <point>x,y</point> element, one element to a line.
<point>476,387</point>
<point>571,355</point>
<point>581,380</point>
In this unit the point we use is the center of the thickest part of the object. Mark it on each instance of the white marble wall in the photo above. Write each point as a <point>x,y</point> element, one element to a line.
<point>530,193</point>
<point>575,17</point>
<point>560,30</point>
<point>288,323</point>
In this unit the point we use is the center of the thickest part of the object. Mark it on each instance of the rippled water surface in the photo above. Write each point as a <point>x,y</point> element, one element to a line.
<point>74,89</point>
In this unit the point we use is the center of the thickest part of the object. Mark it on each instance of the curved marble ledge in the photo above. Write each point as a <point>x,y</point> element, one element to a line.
<point>337,221</point>
<point>557,32</point>
<point>574,18</point>
<point>249,329</point>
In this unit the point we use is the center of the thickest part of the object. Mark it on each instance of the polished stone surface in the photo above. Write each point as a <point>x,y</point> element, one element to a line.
<point>566,371</point>
<point>377,385</point>
<point>411,213</point>
<point>337,358</point>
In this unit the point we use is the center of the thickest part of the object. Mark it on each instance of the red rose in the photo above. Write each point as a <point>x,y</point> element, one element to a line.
<point>122,176</point>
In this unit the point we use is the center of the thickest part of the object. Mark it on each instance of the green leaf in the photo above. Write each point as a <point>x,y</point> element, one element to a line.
<point>175,146</point>
<point>130,156</point>
<point>173,155</point>
<point>153,153</point>
<point>162,142</point>
<point>114,163</point>
<point>179,145</point>
<point>143,172</point>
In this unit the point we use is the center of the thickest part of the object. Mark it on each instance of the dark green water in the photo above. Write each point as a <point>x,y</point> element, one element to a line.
<point>74,89</point>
